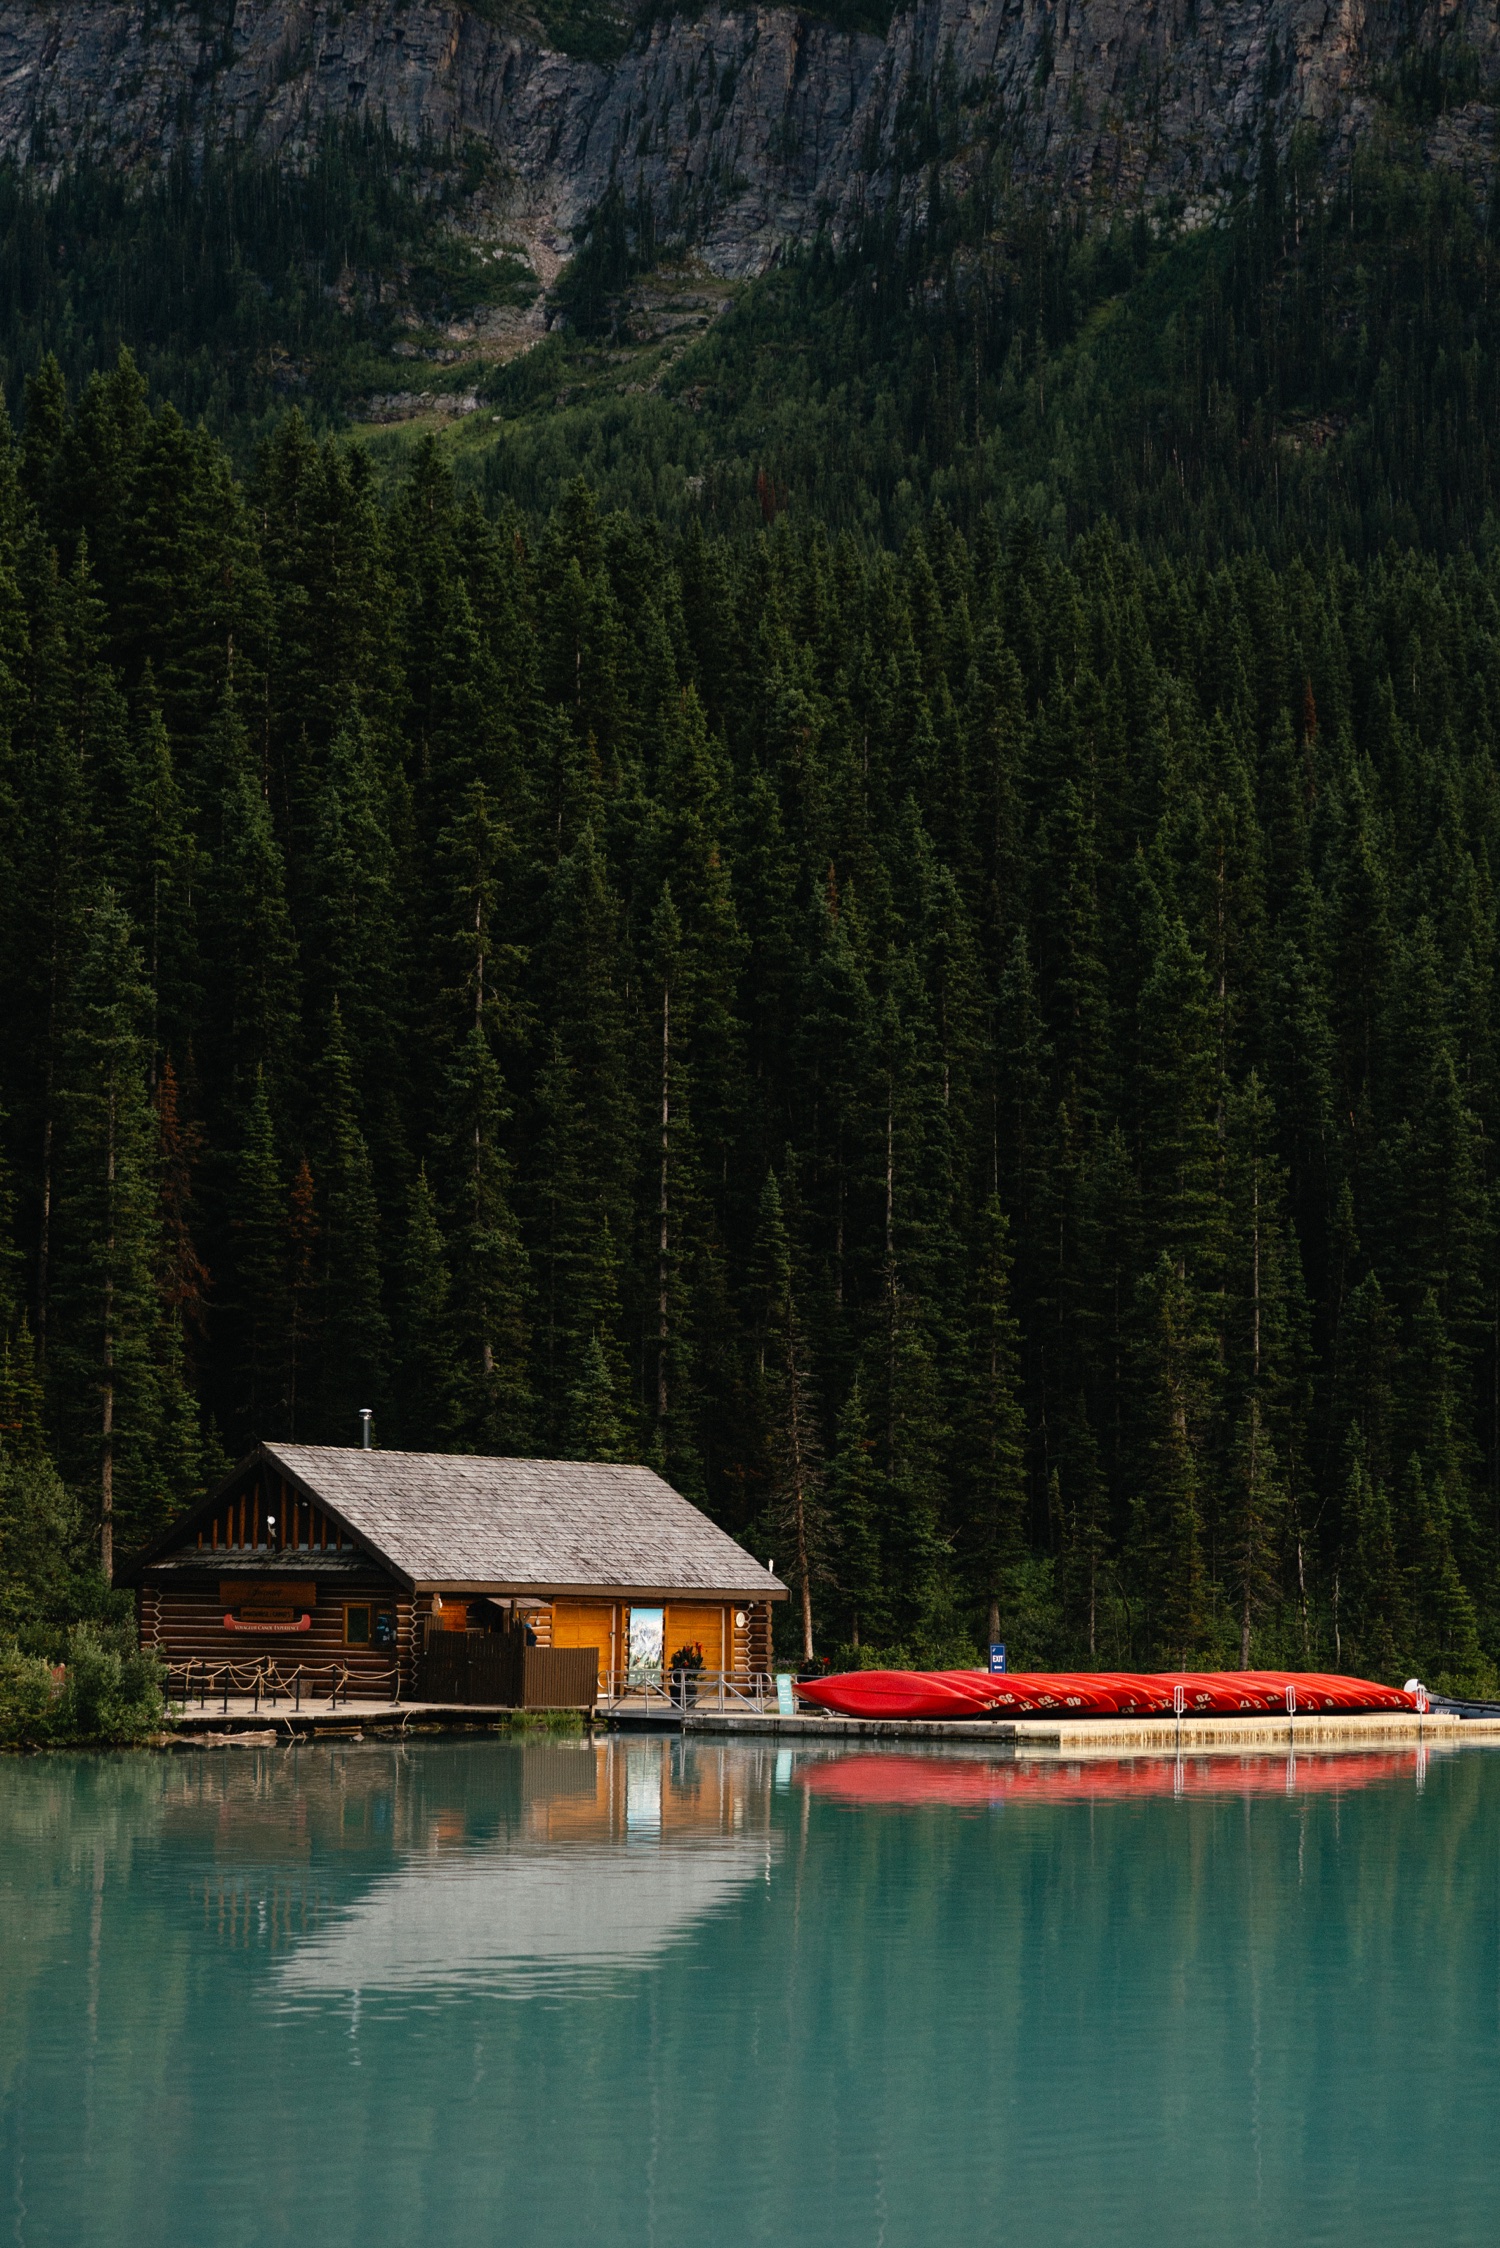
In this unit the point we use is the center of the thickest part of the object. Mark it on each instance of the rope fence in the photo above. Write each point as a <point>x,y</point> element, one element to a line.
<point>266,1680</point>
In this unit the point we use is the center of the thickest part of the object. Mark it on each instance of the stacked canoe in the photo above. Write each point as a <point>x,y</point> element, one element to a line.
<point>1098,1693</point>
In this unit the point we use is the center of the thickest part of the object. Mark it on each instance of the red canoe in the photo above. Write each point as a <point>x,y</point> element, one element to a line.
<point>1096,1693</point>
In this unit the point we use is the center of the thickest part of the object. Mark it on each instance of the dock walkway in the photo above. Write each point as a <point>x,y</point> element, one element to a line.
<point>1006,1737</point>
<point>244,1717</point>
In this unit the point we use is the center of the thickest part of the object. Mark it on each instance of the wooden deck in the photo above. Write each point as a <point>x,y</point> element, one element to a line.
<point>243,1717</point>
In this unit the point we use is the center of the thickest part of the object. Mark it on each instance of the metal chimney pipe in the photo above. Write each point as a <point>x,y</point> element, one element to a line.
<point>366,1415</point>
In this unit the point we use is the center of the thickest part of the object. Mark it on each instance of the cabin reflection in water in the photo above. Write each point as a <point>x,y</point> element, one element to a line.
<point>376,1868</point>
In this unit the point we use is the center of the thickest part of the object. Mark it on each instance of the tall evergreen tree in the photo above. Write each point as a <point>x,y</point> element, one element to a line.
<point>852,1496</point>
<point>992,1427</point>
<point>489,1263</point>
<point>1170,1465</point>
<point>353,1332</point>
<point>122,1419</point>
<point>795,1513</point>
<point>256,1306</point>
<point>426,1376</point>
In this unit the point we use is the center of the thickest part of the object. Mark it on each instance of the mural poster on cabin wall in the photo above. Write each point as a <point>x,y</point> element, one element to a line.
<point>647,1628</point>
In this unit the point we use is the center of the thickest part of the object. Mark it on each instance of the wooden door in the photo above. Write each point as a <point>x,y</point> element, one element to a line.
<point>577,1623</point>
<point>701,1626</point>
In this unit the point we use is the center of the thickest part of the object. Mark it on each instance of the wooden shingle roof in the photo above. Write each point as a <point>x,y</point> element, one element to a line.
<point>458,1518</point>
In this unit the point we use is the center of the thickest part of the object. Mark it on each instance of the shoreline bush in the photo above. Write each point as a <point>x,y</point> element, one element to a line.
<point>106,1693</point>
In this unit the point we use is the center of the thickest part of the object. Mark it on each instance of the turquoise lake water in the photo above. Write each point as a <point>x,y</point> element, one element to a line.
<point>656,1994</point>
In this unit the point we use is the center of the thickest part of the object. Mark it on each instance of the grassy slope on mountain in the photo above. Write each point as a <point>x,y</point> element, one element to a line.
<point>1319,365</point>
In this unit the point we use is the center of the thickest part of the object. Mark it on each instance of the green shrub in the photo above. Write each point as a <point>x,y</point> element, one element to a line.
<point>109,1693</point>
<point>1475,1680</point>
<point>111,1690</point>
<point>27,1699</point>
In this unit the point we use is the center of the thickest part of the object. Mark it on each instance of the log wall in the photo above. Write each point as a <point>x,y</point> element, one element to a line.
<point>186,1623</point>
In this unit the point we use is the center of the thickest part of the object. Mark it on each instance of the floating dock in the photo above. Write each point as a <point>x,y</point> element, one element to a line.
<point>1114,1736</point>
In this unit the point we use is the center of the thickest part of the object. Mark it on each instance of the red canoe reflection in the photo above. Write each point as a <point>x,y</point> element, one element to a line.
<point>967,1783</point>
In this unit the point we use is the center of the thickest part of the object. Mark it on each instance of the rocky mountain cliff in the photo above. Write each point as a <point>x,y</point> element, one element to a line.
<point>745,128</point>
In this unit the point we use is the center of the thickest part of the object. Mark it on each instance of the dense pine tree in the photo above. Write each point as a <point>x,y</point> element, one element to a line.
<point>977,1060</point>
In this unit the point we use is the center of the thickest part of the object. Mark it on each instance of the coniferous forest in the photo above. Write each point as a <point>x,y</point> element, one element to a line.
<point>948,1001</point>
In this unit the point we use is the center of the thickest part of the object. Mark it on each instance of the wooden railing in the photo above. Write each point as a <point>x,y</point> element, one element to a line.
<point>267,1681</point>
<point>677,1690</point>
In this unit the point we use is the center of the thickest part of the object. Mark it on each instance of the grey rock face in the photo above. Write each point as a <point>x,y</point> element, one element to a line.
<point>746,128</point>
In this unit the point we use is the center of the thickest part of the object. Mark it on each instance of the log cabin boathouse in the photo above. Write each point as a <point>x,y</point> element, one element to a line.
<point>451,1576</point>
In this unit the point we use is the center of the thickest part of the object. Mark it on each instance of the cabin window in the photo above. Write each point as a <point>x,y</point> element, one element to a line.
<point>357,1627</point>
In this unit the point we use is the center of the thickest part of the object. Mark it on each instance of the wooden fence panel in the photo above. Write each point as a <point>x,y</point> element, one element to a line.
<point>471,1666</point>
<point>562,1677</point>
<point>500,1670</point>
